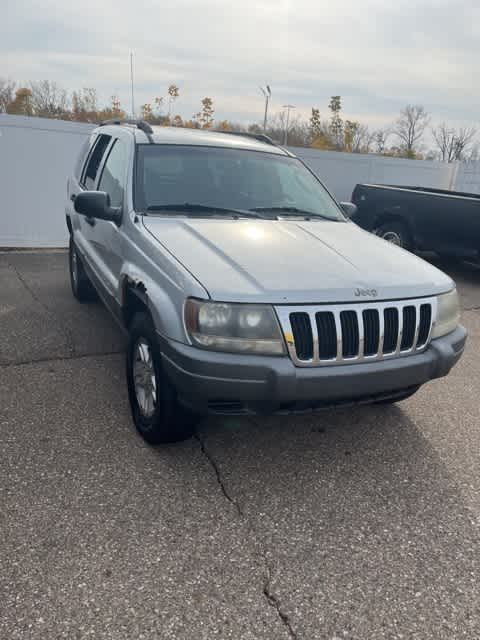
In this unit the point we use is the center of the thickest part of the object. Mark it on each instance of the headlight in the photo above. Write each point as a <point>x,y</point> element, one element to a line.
<point>240,328</point>
<point>448,314</point>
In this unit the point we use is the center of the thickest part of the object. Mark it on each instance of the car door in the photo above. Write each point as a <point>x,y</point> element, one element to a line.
<point>87,181</point>
<point>106,236</point>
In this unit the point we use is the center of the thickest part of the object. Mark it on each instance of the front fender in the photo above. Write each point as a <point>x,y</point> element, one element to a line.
<point>165,305</point>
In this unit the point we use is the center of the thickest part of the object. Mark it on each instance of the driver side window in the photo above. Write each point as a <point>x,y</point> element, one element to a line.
<point>112,180</point>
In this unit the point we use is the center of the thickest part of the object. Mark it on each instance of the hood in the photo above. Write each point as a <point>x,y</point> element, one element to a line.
<point>294,261</point>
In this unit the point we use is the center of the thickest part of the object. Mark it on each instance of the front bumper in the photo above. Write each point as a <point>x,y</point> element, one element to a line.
<point>229,383</point>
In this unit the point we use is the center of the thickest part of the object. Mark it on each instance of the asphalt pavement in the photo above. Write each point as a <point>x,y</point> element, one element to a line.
<point>354,524</point>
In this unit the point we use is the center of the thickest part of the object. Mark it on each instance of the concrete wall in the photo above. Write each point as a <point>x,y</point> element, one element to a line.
<point>36,157</point>
<point>342,171</point>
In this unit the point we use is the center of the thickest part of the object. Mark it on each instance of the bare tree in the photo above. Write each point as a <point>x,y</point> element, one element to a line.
<point>299,132</point>
<point>410,127</point>
<point>380,138</point>
<point>48,99</point>
<point>464,138</point>
<point>298,129</point>
<point>357,137</point>
<point>443,137</point>
<point>453,144</point>
<point>350,130</point>
<point>275,127</point>
<point>473,154</point>
<point>207,113</point>
<point>85,105</point>
<point>336,122</point>
<point>7,93</point>
<point>363,140</point>
<point>315,124</point>
<point>173,93</point>
<point>146,112</point>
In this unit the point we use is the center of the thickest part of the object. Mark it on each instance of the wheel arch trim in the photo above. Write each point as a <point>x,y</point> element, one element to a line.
<point>168,320</point>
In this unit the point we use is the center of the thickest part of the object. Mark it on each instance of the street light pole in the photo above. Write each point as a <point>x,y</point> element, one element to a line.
<point>268,94</point>
<point>131,83</point>
<point>288,107</point>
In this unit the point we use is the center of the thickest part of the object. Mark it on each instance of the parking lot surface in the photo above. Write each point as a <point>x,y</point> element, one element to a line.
<point>353,524</point>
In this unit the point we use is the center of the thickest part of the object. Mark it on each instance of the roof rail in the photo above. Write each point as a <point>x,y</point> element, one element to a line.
<point>261,137</point>
<point>140,124</point>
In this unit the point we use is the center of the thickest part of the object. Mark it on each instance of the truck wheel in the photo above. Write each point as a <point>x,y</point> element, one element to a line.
<point>157,414</point>
<point>82,288</point>
<point>408,393</point>
<point>397,233</point>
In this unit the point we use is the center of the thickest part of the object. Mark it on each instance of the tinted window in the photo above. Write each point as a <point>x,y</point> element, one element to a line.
<point>94,160</point>
<point>217,177</point>
<point>113,174</point>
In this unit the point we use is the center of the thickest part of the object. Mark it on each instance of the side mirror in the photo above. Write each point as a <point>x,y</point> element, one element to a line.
<point>96,204</point>
<point>349,209</point>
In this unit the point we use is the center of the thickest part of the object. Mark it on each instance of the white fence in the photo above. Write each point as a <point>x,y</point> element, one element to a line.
<point>37,156</point>
<point>342,171</point>
<point>468,178</point>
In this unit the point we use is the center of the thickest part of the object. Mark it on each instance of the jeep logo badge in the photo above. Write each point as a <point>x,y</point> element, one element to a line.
<point>373,293</point>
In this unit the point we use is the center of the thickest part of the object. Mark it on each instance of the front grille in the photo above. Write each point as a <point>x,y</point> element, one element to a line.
<point>303,335</point>
<point>350,335</point>
<point>409,327</point>
<point>390,336</point>
<point>327,344</point>
<point>371,328</point>
<point>356,332</point>
<point>424,326</point>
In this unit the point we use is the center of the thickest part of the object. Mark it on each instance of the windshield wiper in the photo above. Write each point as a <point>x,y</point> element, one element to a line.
<point>193,208</point>
<point>285,211</point>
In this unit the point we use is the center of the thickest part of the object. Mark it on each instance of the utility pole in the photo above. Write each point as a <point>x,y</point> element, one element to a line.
<point>288,107</point>
<point>268,94</point>
<point>131,83</point>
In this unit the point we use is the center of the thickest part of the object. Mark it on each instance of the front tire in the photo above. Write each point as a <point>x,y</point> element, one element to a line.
<point>156,412</point>
<point>397,233</point>
<point>82,288</point>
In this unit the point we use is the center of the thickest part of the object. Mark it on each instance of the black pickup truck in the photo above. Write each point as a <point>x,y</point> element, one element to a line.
<point>423,219</point>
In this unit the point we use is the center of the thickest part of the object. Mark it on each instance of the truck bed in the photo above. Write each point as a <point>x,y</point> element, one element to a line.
<point>427,190</point>
<point>421,218</point>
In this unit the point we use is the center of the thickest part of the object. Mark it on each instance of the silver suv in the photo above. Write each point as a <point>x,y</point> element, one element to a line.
<point>242,284</point>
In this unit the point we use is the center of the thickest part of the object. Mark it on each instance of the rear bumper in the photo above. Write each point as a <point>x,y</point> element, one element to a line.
<point>228,383</point>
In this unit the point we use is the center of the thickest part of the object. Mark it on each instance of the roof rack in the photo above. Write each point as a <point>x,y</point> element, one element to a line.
<point>140,124</point>
<point>261,137</point>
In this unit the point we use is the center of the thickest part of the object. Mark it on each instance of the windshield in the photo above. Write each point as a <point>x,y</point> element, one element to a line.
<point>229,179</point>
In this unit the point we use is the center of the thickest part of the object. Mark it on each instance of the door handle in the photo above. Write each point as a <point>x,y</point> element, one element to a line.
<point>91,221</point>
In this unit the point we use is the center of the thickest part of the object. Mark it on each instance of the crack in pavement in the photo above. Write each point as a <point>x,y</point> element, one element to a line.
<point>77,356</point>
<point>220,482</point>
<point>274,602</point>
<point>68,334</point>
<point>270,597</point>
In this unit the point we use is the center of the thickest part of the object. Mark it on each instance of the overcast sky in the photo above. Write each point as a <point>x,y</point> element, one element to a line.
<point>377,54</point>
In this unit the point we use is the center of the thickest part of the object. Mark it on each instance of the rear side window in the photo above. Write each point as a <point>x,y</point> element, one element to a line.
<point>113,174</point>
<point>84,151</point>
<point>94,160</point>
